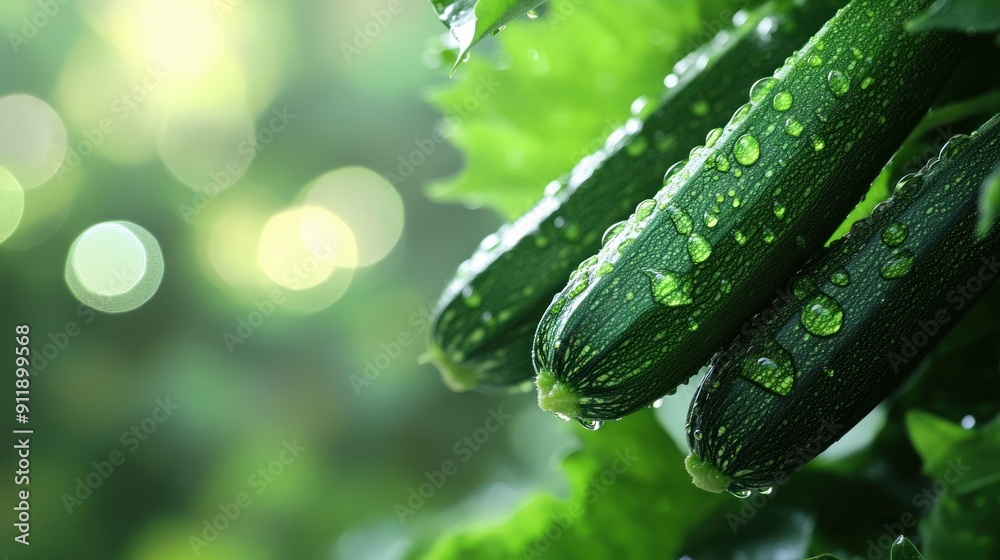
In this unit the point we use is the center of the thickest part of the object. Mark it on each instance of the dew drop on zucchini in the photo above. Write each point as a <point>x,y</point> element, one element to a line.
<point>670,288</point>
<point>822,316</point>
<point>711,220</point>
<point>699,248</point>
<point>770,366</point>
<point>612,232</point>
<point>760,89</point>
<point>793,127</point>
<point>782,101</point>
<point>591,424</point>
<point>741,494</point>
<point>682,222</point>
<point>746,150</point>
<point>645,209</point>
<point>840,277</point>
<point>898,266</point>
<point>894,235</point>
<point>839,83</point>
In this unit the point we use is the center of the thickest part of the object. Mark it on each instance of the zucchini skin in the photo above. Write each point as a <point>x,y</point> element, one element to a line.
<point>741,216</point>
<point>914,268</point>
<point>485,321</point>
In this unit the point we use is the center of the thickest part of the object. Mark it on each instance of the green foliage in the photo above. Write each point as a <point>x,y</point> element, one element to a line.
<point>470,20</point>
<point>977,15</point>
<point>628,483</point>
<point>903,549</point>
<point>989,203</point>
<point>962,462</point>
<point>562,84</point>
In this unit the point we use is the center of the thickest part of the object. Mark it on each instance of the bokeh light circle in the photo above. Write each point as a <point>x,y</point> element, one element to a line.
<point>11,204</point>
<point>208,149</point>
<point>369,205</point>
<point>114,267</point>
<point>33,139</point>
<point>300,248</point>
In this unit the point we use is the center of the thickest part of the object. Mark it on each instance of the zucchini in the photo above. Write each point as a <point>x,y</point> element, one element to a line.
<point>484,323</point>
<point>866,311</point>
<point>741,216</point>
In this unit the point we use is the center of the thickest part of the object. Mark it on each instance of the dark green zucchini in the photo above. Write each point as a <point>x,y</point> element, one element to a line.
<point>485,321</point>
<point>741,216</point>
<point>867,310</point>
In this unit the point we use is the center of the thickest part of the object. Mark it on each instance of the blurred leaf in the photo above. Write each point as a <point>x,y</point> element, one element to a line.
<point>964,459</point>
<point>989,202</point>
<point>978,15</point>
<point>966,490</point>
<point>470,20</point>
<point>587,62</point>
<point>628,484</point>
<point>824,557</point>
<point>903,549</point>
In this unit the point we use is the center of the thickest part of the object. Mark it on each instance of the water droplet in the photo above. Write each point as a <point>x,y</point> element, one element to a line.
<point>713,137</point>
<point>839,83</point>
<point>605,268</point>
<point>769,236</point>
<point>760,88</point>
<point>740,238</point>
<point>699,248</point>
<point>740,114</point>
<point>658,403</point>
<point>498,29</point>
<point>692,324</point>
<point>770,366</point>
<point>766,490</point>
<point>674,170</point>
<point>722,163</point>
<point>532,14</point>
<point>822,315</point>
<point>682,222</point>
<point>910,185</point>
<point>746,150</point>
<point>782,101</point>
<point>818,143</point>
<point>471,297</point>
<point>865,83</point>
<point>591,424</point>
<point>895,234</point>
<point>779,209</point>
<point>612,232</point>
<point>697,435</point>
<point>793,127</point>
<point>645,209</point>
<point>840,277</point>
<point>670,289</point>
<point>898,266</point>
<point>954,146</point>
<point>741,494</point>
<point>711,220</point>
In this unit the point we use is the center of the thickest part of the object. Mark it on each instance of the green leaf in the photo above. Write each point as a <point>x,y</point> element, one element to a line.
<point>989,201</point>
<point>978,15</point>
<point>470,20</point>
<point>559,87</point>
<point>964,460</point>
<point>628,484</point>
<point>965,492</point>
<point>824,557</point>
<point>903,549</point>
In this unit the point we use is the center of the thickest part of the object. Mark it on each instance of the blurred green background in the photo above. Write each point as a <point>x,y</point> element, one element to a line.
<point>265,403</point>
<point>199,78</point>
